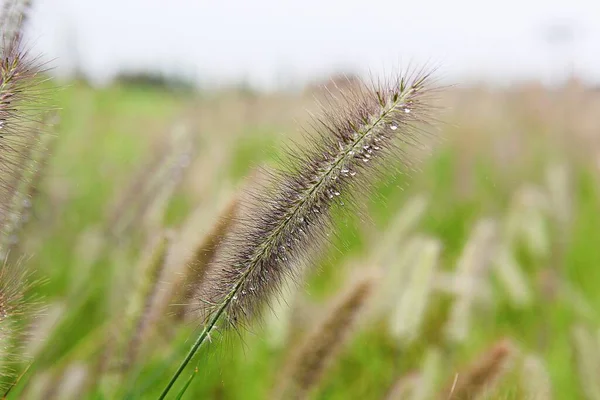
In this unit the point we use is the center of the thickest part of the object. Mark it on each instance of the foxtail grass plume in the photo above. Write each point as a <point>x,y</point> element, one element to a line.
<point>471,275</point>
<point>535,380</point>
<point>431,372</point>
<point>147,275</point>
<point>412,303</point>
<point>559,190</point>
<point>143,200</point>
<point>482,376</point>
<point>405,220</point>
<point>15,310</point>
<point>586,353</point>
<point>72,381</point>
<point>397,272</point>
<point>526,221</point>
<point>404,387</point>
<point>311,359</point>
<point>21,125</point>
<point>290,217</point>
<point>512,277</point>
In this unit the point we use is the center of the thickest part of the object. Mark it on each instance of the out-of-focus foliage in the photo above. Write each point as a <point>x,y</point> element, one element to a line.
<point>487,252</point>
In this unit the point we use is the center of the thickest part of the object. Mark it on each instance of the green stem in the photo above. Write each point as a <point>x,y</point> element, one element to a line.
<point>193,350</point>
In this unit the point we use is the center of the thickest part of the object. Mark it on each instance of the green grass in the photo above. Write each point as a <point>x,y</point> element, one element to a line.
<point>105,133</point>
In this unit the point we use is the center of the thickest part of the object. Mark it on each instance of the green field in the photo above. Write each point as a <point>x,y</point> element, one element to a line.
<point>490,238</point>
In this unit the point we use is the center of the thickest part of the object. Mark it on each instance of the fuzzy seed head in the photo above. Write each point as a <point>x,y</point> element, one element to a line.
<point>483,374</point>
<point>289,217</point>
<point>21,124</point>
<point>313,357</point>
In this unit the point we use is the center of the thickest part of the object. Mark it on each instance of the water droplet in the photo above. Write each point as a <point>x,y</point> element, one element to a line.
<point>365,159</point>
<point>235,297</point>
<point>336,193</point>
<point>352,173</point>
<point>407,110</point>
<point>393,127</point>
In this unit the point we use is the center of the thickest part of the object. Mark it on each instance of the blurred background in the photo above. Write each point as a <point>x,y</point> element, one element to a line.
<point>272,45</point>
<point>473,272</point>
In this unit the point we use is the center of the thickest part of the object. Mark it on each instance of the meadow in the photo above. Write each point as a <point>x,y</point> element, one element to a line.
<point>469,272</point>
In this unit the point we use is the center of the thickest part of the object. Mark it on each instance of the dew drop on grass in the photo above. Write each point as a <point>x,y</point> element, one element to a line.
<point>393,127</point>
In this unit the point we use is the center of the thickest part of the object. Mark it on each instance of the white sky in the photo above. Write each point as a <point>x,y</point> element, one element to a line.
<point>271,41</point>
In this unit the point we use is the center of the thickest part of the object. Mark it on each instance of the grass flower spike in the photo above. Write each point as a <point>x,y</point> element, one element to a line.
<point>291,216</point>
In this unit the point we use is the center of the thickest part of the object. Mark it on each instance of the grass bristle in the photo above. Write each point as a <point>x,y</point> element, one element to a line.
<point>291,216</point>
<point>21,125</point>
<point>16,309</point>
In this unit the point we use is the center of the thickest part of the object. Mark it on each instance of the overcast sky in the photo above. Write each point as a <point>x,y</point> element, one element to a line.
<point>273,41</point>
